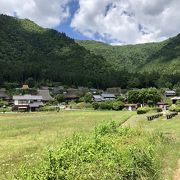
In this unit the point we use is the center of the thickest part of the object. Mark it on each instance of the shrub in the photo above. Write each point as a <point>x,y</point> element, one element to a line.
<point>3,103</point>
<point>175,108</point>
<point>95,105</point>
<point>118,105</point>
<point>81,105</point>
<point>106,128</point>
<point>143,110</point>
<point>110,153</point>
<point>106,105</point>
<point>60,98</point>
<point>88,97</point>
<point>7,109</point>
<point>48,108</point>
<point>158,109</point>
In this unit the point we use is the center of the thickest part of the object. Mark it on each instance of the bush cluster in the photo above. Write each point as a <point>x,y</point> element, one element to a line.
<point>175,108</point>
<point>81,105</point>
<point>143,110</point>
<point>48,108</point>
<point>110,153</point>
<point>108,105</point>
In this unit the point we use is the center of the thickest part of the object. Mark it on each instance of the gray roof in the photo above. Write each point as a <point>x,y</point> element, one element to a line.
<point>108,95</point>
<point>3,93</point>
<point>58,89</point>
<point>27,97</point>
<point>35,104</point>
<point>45,95</point>
<point>97,96</point>
<point>170,92</point>
<point>176,98</point>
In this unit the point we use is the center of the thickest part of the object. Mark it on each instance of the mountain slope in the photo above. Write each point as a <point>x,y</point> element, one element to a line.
<point>142,57</point>
<point>27,50</point>
<point>30,51</point>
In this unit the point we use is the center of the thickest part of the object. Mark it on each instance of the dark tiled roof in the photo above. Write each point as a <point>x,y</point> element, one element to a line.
<point>3,93</point>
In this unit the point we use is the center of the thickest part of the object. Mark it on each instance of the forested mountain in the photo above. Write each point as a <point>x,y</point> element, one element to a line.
<point>150,57</point>
<point>30,51</point>
<point>27,50</point>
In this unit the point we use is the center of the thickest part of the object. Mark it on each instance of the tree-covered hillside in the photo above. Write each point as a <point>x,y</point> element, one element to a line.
<point>149,57</point>
<point>27,50</point>
<point>30,51</point>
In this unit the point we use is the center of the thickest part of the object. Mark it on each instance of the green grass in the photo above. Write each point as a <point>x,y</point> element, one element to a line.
<point>171,129</point>
<point>25,136</point>
<point>110,152</point>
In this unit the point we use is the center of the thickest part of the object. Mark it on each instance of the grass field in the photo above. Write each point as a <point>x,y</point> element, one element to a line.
<point>24,137</point>
<point>171,129</point>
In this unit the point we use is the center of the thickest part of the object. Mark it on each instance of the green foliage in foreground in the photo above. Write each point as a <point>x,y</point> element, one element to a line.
<point>143,110</point>
<point>109,153</point>
<point>175,108</point>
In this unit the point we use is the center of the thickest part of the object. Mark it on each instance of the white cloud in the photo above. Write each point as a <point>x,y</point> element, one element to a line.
<point>128,21</point>
<point>47,13</point>
<point>113,21</point>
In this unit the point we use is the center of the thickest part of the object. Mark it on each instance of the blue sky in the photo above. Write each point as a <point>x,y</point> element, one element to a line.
<point>115,22</point>
<point>66,27</point>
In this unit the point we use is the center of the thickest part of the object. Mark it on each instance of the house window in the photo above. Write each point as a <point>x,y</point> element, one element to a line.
<point>22,102</point>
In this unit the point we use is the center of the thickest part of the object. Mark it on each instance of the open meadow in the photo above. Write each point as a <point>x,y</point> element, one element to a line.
<point>24,137</point>
<point>169,128</point>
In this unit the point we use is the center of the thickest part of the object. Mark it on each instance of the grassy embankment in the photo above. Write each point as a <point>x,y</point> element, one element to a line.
<point>171,129</point>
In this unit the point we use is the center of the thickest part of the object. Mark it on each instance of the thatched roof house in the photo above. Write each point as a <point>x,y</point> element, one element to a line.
<point>73,94</point>
<point>45,95</point>
<point>3,94</point>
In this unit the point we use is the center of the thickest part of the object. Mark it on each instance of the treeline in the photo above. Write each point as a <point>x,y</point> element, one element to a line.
<point>28,51</point>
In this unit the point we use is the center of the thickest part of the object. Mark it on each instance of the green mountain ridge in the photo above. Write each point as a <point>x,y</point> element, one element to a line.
<point>148,57</point>
<point>30,51</point>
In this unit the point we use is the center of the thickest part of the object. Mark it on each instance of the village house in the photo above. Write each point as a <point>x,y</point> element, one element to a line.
<point>108,97</point>
<point>170,93</point>
<point>163,105</point>
<point>131,107</point>
<point>94,91</point>
<point>73,94</point>
<point>27,102</point>
<point>25,87</point>
<point>46,97</point>
<point>97,98</point>
<point>3,94</point>
<point>104,97</point>
<point>58,90</point>
<point>175,99</point>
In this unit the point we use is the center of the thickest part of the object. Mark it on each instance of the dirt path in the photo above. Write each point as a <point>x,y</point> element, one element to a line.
<point>177,172</point>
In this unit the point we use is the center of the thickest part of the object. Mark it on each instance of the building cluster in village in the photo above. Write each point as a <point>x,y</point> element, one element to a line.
<point>31,102</point>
